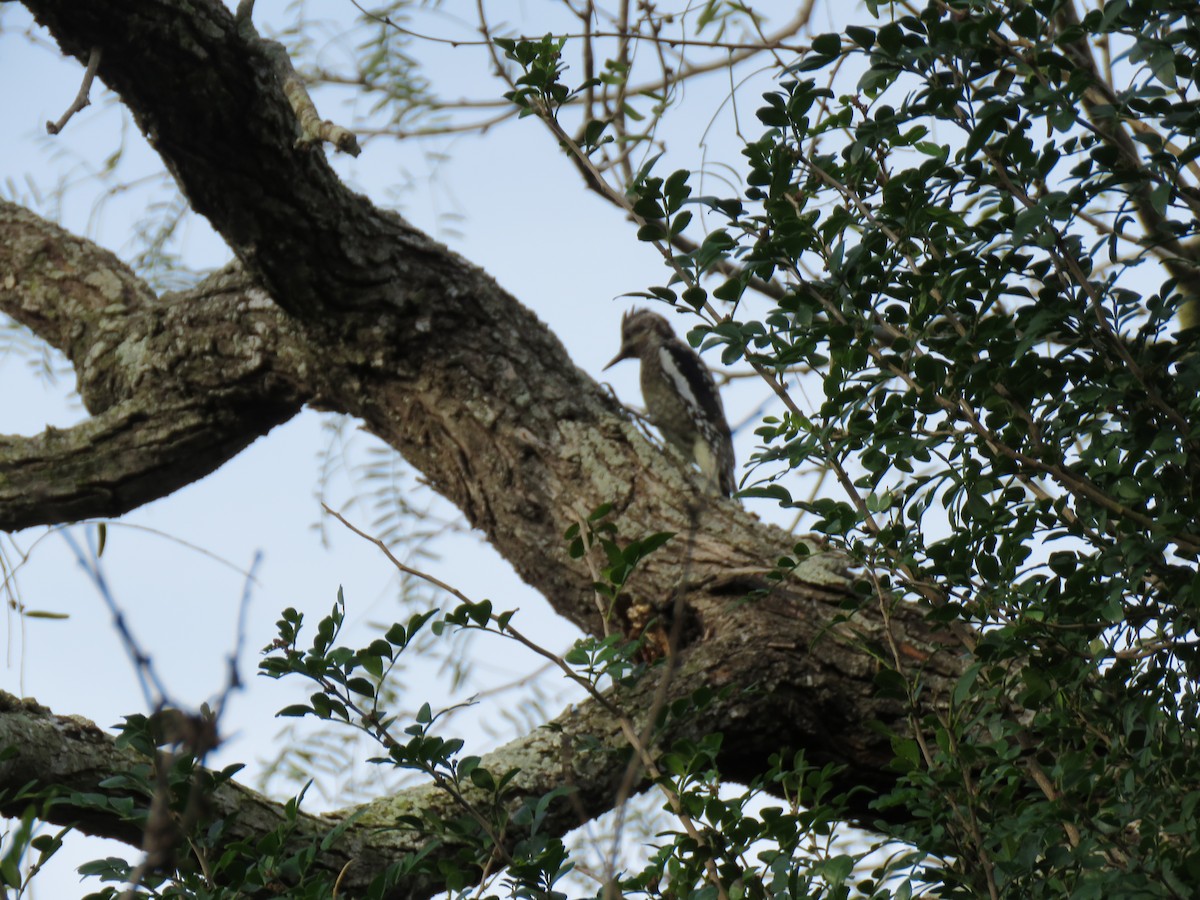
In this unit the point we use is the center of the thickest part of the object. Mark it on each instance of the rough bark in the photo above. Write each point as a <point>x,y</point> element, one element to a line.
<point>340,305</point>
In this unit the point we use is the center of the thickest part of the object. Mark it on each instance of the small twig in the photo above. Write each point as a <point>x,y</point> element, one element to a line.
<point>407,570</point>
<point>154,691</point>
<point>313,129</point>
<point>1052,794</point>
<point>83,98</point>
<point>1142,651</point>
<point>604,608</point>
<point>337,884</point>
<point>234,681</point>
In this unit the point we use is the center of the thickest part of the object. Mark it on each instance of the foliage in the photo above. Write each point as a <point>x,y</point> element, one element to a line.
<point>981,252</point>
<point>348,681</point>
<point>17,869</point>
<point>1006,232</point>
<point>216,866</point>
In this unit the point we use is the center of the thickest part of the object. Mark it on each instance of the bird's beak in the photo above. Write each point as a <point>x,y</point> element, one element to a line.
<point>624,354</point>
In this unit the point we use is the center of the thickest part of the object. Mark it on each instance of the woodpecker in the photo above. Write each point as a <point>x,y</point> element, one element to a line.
<point>680,395</point>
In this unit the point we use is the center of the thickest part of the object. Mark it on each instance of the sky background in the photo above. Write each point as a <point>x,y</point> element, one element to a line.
<point>509,202</point>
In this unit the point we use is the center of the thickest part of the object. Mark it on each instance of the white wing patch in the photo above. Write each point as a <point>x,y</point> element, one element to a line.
<point>679,380</point>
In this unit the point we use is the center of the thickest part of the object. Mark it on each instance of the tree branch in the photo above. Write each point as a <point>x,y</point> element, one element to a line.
<point>128,455</point>
<point>176,388</point>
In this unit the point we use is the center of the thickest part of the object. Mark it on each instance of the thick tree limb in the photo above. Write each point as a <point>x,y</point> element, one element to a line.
<point>375,320</point>
<point>178,387</point>
<point>126,456</point>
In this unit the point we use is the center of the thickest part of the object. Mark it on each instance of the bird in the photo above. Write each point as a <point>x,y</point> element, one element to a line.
<point>682,400</point>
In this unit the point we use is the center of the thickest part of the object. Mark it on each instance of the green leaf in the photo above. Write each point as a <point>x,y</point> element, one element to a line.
<point>827,44</point>
<point>864,37</point>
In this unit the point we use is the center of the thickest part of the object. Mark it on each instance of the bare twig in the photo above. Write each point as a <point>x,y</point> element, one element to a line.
<point>83,98</point>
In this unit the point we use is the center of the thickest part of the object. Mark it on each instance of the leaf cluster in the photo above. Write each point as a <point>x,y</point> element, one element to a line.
<point>981,256</point>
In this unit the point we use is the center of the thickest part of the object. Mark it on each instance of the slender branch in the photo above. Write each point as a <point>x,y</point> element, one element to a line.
<point>83,98</point>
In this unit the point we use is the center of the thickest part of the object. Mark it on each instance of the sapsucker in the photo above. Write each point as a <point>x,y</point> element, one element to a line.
<point>681,397</point>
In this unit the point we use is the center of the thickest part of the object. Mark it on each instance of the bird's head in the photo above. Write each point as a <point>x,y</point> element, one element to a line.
<point>640,329</point>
